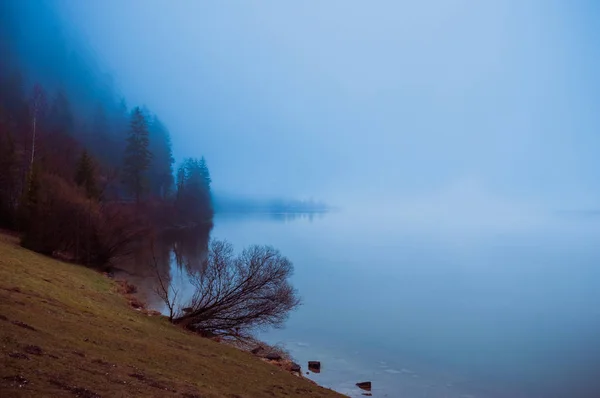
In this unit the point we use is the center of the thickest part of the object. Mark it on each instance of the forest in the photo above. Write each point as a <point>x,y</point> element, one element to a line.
<point>87,178</point>
<point>84,175</point>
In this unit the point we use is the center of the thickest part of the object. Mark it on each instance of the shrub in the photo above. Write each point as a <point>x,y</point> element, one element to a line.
<point>234,294</point>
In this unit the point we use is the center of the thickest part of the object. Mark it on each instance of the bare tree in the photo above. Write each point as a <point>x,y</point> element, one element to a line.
<point>38,105</point>
<point>236,294</point>
<point>165,290</point>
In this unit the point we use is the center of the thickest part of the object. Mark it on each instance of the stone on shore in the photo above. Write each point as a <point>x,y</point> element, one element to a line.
<point>273,356</point>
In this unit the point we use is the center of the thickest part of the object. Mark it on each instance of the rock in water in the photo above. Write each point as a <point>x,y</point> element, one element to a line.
<point>314,366</point>
<point>364,385</point>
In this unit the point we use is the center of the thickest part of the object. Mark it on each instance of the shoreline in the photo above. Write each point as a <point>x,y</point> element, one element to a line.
<point>274,355</point>
<point>66,329</point>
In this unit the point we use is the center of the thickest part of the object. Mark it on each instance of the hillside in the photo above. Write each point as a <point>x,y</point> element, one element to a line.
<point>65,331</point>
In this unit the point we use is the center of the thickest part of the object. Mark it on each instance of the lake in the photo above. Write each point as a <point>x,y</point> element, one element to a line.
<point>488,311</point>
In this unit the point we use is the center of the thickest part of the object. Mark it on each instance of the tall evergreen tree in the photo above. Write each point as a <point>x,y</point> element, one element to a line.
<point>85,175</point>
<point>193,190</point>
<point>8,171</point>
<point>203,168</point>
<point>137,155</point>
<point>161,169</point>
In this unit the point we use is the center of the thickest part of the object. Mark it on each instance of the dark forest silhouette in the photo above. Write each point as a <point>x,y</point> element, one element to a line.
<point>82,175</point>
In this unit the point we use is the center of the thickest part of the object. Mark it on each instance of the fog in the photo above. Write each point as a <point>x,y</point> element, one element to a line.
<point>363,102</point>
<point>459,139</point>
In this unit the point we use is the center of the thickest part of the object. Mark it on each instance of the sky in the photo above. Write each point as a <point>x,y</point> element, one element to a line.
<point>474,103</point>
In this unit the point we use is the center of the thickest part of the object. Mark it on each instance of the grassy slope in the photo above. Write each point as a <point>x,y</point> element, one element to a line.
<point>92,344</point>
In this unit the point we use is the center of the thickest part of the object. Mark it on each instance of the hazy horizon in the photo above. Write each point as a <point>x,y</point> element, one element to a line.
<point>484,107</point>
<point>367,100</point>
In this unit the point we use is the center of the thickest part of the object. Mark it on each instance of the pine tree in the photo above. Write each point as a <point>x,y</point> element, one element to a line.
<point>8,172</point>
<point>161,169</point>
<point>137,155</point>
<point>193,190</point>
<point>203,168</point>
<point>85,176</point>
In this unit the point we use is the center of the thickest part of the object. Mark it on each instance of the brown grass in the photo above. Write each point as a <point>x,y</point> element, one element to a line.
<point>65,331</point>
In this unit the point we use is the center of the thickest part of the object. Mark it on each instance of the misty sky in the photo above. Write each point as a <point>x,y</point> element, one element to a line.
<point>345,100</point>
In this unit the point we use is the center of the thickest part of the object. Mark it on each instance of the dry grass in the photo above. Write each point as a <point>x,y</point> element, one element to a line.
<point>66,331</point>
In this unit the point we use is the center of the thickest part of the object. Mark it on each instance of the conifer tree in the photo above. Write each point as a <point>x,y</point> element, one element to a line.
<point>203,168</point>
<point>137,155</point>
<point>161,169</point>
<point>8,172</point>
<point>193,190</point>
<point>85,175</point>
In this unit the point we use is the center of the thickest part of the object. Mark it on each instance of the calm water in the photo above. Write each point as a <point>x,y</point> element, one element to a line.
<point>485,312</point>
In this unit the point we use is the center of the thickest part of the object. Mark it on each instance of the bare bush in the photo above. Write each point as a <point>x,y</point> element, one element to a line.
<point>236,294</point>
<point>165,290</point>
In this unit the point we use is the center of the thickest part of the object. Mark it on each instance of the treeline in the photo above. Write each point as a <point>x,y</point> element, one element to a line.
<point>82,175</point>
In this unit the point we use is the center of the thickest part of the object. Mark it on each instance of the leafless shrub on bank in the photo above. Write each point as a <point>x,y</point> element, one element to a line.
<point>236,294</point>
<point>165,290</point>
